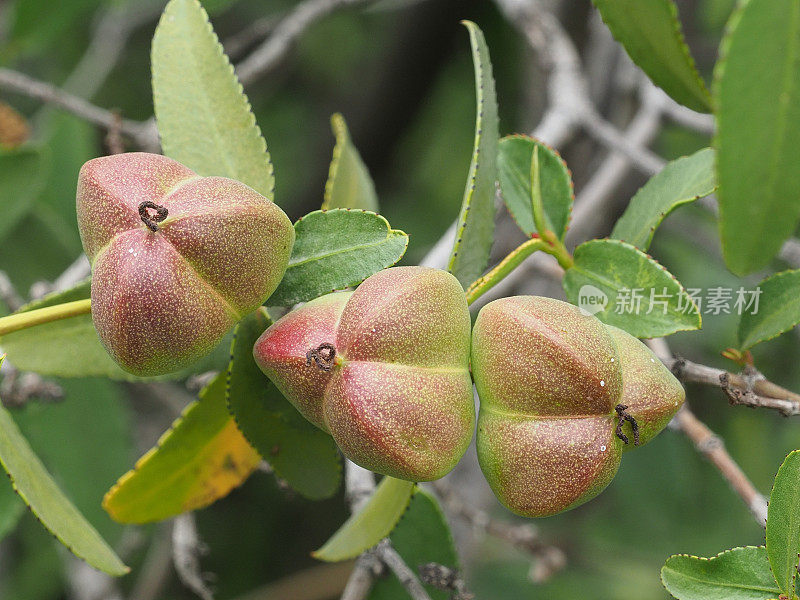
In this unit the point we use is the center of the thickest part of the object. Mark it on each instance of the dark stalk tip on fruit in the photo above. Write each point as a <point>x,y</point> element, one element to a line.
<point>626,416</point>
<point>149,219</point>
<point>323,355</point>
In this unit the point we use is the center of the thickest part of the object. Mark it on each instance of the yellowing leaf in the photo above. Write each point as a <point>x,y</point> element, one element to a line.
<point>199,460</point>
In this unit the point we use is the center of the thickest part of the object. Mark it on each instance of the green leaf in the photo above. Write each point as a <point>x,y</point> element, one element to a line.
<point>200,459</point>
<point>305,456</point>
<point>23,172</point>
<point>203,116</point>
<point>783,524</point>
<point>514,165</point>
<point>757,97</point>
<point>335,249</point>
<point>35,486</point>
<point>475,229</point>
<point>737,574</point>
<point>617,274</point>
<point>100,407</point>
<point>778,310</point>
<point>651,34</point>
<point>422,536</point>
<point>371,524</point>
<point>680,182</point>
<point>71,348</point>
<point>349,184</point>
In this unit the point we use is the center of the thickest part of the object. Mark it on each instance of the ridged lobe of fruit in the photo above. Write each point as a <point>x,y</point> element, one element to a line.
<point>540,356</point>
<point>162,299</point>
<point>651,392</point>
<point>402,402</point>
<point>399,399</point>
<point>538,467</point>
<point>281,353</point>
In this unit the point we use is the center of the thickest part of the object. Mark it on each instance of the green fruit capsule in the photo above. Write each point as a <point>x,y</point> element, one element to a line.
<point>385,370</point>
<point>553,385</point>
<point>177,259</point>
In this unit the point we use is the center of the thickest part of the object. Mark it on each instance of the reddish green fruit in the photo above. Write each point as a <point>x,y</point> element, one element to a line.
<point>177,259</point>
<point>552,383</point>
<point>384,370</point>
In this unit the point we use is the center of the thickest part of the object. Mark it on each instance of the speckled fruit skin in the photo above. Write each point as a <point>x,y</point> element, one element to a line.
<point>399,399</point>
<point>651,392</point>
<point>549,379</point>
<point>163,299</point>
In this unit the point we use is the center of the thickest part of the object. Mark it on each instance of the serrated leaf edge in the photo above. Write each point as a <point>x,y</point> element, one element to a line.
<point>472,177</point>
<point>677,29</point>
<point>777,275</point>
<point>413,493</point>
<point>153,451</point>
<point>657,264</point>
<point>270,195</point>
<point>125,569</point>
<point>707,559</point>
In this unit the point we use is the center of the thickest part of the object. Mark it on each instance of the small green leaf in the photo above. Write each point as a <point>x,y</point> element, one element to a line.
<point>335,249</point>
<point>200,459</point>
<point>422,536</point>
<point>757,97</point>
<point>23,172</point>
<point>71,348</point>
<point>349,184</point>
<point>38,490</point>
<point>204,118</point>
<point>778,310</point>
<point>651,34</point>
<point>737,574</point>
<point>371,524</point>
<point>682,181</point>
<point>624,287</point>
<point>475,230</point>
<point>300,453</point>
<point>514,166</point>
<point>783,524</point>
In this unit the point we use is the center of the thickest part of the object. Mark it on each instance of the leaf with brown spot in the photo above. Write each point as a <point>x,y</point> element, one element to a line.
<point>198,461</point>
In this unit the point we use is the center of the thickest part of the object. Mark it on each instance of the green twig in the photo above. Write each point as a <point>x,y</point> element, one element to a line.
<point>31,318</point>
<point>503,268</point>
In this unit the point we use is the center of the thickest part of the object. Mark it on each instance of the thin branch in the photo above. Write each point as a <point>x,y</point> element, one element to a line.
<point>367,568</point>
<point>359,486</point>
<point>595,195</point>
<point>711,446</point>
<point>392,559</point>
<point>750,389</point>
<point>269,54</point>
<point>444,578</point>
<point>523,536</point>
<point>22,84</point>
<point>186,550</point>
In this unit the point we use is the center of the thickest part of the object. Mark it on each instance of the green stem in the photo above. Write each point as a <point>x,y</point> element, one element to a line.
<point>504,267</point>
<point>31,318</point>
<point>558,250</point>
